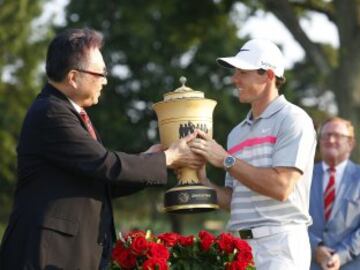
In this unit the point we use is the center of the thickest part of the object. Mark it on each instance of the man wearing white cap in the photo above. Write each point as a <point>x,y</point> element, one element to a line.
<point>268,162</point>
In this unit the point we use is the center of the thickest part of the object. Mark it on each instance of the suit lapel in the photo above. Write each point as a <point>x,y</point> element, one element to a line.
<point>344,188</point>
<point>98,138</point>
<point>319,190</point>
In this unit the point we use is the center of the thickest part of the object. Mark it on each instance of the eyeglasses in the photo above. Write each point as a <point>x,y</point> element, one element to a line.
<point>337,136</point>
<point>104,75</point>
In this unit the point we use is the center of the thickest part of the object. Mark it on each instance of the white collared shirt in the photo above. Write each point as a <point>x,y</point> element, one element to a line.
<point>340,168</point>
<point>76,107</point>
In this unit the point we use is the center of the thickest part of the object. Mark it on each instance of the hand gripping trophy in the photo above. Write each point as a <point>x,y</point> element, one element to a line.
<point>179,114</point>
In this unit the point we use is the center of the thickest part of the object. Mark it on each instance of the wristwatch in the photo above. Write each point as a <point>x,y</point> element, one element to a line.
<point>229,161</point>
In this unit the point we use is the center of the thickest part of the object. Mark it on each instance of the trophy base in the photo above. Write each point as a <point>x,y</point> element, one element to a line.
<point>188,199</point>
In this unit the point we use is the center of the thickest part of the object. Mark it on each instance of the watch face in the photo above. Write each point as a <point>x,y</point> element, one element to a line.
<point>229,162</point>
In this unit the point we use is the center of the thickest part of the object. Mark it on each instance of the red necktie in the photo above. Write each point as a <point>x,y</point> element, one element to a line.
<point>89,126</point>
<point>329,194</point>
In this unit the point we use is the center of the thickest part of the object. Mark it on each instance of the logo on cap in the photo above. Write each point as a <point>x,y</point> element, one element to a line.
<point>267,65</point>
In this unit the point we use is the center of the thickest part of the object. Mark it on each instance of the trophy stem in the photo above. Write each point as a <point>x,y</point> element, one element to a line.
<point>188,176</point>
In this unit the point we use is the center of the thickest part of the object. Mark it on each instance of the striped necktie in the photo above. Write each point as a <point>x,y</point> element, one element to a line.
<point>89,126</point>
<point>329,194</point>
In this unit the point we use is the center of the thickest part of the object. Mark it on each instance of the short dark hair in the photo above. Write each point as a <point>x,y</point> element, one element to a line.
<point>68,50</point>
<point>279,80</point>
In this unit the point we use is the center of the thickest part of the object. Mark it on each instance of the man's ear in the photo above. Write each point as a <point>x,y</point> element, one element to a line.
<point>352,143</point>
<point>71,77</point>
<point>270,74</point>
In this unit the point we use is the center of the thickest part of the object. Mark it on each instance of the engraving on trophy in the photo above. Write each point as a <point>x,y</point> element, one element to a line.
<point>183,197</point>
<point>201,196</point>
<point>189,127</point>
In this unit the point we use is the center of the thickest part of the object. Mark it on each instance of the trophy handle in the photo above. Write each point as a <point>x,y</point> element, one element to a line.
<point>188,176</point>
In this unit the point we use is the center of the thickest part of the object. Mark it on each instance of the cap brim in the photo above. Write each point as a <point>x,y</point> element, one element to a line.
<point>234,62</point>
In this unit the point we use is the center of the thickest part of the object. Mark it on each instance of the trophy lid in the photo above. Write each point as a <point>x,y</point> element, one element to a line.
<point>183,92</point>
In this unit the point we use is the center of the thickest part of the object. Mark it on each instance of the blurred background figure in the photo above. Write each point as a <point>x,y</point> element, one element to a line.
<point>335,200</point>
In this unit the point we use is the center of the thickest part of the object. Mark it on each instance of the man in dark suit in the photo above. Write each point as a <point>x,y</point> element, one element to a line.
<point>62,213</point>
<point>335,200</point>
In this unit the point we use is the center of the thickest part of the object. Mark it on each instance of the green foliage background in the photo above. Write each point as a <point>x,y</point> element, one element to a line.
<point>20,56</point>
<point>149,45</point>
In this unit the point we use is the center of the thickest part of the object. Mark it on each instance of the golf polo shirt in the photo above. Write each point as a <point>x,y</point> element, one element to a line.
<point>282,136</point>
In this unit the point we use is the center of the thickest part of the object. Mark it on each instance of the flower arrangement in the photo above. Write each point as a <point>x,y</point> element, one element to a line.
<point>171,251</point>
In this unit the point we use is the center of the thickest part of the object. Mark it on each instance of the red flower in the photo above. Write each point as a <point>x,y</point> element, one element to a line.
<point>124,258</point>
<point>155,264</point>
<point>186,241</point>
<point>244,253</point>
<point>140,251</point>
<point>244,256</point>
<point>135,234</point>
<point>240,244</point>
<point>117,250</point>
<point>139,245</point>
<point>158,251</point>
<point>169,239</point>
<point>226,242</point>
<point>206,240</point>
<point>236,265</point>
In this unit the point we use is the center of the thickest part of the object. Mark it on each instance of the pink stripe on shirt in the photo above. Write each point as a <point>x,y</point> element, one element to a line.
<point>252,142</point>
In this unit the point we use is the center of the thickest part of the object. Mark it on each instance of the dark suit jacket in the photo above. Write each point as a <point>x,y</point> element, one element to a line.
<point>64,179</point>
<point>342,231</point>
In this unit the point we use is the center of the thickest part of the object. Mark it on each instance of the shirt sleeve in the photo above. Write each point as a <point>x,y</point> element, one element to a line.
<point>296,142</point>
<point>63,142</point>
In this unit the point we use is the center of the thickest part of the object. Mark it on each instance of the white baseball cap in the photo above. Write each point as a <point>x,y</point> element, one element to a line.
<point>256,54</point>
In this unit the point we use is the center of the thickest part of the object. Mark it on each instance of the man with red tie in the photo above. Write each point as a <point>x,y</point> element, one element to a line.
<point>62,215</point>
<point>335,200</point>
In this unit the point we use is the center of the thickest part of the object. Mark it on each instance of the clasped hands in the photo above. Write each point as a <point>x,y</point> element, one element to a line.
<point>192,151</point>
<point>327,258</point>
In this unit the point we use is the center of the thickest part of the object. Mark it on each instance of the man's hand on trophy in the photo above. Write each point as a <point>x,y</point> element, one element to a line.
<point>205,146</point>
<point>180,155</point>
